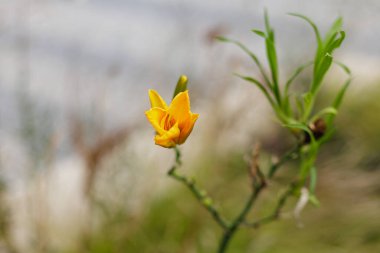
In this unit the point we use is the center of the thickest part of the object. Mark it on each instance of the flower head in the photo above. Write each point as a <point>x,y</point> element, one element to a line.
<point>172,123</point>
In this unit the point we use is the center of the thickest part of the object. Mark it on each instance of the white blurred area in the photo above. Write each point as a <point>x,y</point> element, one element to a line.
<point>95,60</point>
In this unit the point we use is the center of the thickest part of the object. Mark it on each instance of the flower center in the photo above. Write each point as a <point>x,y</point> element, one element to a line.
<point>167,122</point>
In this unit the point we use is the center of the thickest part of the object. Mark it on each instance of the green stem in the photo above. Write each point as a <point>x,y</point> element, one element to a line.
<point>308,109</point>
<point>288,156</point>
<point>200,194</point>
<point>276,212</point>
<point>177,156</point>
<point>231,230</point>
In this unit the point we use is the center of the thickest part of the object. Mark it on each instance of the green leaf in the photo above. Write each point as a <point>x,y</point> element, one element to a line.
<point>335,28</point>
<point>315,28</point>
<point>251,54</point>
<point>327,136</point>
<point>222,39</point>
<point>295,74</point>
<point>260,33</point>
<point>307,99</point>
<point>259,85</point>
<point>313,200</point>
<point>272,57</point>
<point>286,106</point>
<point>181,85</point>
<point>341,93</point>
<point>300,106</point>
<point>326,111</point>
<point>344,67</point>
<point>319,51</point>
<point>338,100</point>
<point>308,102</point>
<point>266,20</point>
<point>335,43</point>
<point>321,71</point>
<point>297,125</point>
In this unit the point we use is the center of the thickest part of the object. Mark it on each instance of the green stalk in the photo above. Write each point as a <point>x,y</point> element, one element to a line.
<point>230,231</point>
<point>198,193</point>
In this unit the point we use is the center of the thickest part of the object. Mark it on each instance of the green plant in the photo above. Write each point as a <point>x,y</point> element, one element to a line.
<point>295,111</point>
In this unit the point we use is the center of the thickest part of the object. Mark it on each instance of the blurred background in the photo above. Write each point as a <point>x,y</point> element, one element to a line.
<point>79,171</point>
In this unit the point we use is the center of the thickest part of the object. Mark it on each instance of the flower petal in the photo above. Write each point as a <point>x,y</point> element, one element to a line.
<point>156,100</point>
<point>187,128</point>
<point>155,115</point>
<point>180,107</point>
<point>169,139</point>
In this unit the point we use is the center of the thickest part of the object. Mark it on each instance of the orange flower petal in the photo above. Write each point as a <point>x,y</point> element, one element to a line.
<point>187,128</point>
<point>179,108</point>
<point>156,100</point>
<point>155,116</point>
<point>169,139</point>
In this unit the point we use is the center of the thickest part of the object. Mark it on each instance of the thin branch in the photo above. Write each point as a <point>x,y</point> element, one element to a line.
<point>230,231</point>
<point>288,156</point>
<point>254,168</point>
<point>276,212</point>
<point>200,194</point>
<point>258,184</point>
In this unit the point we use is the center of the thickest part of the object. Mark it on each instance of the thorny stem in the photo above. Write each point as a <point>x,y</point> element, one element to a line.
<point>201,195</point>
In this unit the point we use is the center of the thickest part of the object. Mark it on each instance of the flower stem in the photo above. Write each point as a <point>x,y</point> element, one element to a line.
<point>199,194</point>
<point>177,156</point>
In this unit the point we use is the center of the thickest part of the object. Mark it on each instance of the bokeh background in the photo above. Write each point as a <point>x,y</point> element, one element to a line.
<point>78,168</point>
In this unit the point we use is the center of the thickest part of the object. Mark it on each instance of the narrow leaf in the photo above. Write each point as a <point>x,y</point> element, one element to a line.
<point>344,67</point>
<point>314,200</point>
<point>260,33</point>
<point>301,127</point>
<point>330,111</point>
<point>272,56</point>
<point>251,54</point>
<point>338,101</point>
<point>272,59</point>
<point>295,75</point>
<point>300,106</point>
<point>339,97</point>
<point>335,42</point>
<point>321,71</point>
<point>266,19</point>
<point>258,84</point>
<point>315,28</point>
<point>335,28</point>
<point>307,98</point>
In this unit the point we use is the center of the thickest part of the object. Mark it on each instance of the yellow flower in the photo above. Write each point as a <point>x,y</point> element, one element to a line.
<point>172,123</point>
